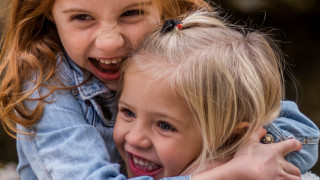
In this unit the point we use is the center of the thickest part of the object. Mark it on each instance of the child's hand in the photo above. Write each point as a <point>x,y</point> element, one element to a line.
<point>257,161</point>
<point>266,161</point>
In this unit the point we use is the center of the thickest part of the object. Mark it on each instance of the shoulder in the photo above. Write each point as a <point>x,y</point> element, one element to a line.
<point>292,122</point>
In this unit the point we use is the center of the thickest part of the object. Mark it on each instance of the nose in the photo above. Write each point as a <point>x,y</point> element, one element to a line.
<point>138,137</point>
<point>109,39</point>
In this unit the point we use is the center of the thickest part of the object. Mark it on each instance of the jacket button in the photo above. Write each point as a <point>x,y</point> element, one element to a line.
<point>267,139</point>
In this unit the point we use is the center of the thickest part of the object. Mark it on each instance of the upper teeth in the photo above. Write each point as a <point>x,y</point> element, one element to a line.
<point>113,61</point>
<point>145,164</point>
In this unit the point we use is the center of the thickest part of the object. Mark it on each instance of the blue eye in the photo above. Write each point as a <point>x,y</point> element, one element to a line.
<point>82,17</point>
<point>133,13</point>
<point>128,113</point>
<point>165,126</point>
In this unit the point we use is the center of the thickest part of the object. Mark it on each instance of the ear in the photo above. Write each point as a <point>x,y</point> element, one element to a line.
<point>241,128</point>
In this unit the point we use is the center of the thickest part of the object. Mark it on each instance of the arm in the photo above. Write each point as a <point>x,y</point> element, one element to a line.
<point>257,161</point>
<point>293,124</point>
<point>267,160</point>
<point>66,144</point>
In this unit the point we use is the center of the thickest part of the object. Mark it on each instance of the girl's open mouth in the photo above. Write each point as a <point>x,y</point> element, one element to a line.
<point>143,167</point>
<point>108,70</point>
<point>107,65</point>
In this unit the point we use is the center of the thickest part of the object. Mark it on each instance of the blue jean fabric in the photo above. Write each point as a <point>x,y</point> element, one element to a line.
<point>293,124</point>
<point>73,138</point>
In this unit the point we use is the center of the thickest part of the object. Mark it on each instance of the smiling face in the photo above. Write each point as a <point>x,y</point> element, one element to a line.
<point>155,132</point>
<point>99,34</point>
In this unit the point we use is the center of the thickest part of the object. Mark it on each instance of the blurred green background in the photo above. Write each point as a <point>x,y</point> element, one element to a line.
<point>297,22</point>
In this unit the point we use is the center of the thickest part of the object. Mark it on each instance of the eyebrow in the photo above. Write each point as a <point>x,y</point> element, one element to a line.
<point>74,10</point>
<point>122,102</point>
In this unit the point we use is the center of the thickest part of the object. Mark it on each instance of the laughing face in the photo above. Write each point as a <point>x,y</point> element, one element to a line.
<point>155,132</point>
<point>99,34</point>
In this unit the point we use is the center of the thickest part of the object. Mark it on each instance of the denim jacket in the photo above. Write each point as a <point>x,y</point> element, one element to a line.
<point>293,124</point>
<point>73,138</point>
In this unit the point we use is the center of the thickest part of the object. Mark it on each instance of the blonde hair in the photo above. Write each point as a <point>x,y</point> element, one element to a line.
<point>228,78</point>
<point>29,44</point>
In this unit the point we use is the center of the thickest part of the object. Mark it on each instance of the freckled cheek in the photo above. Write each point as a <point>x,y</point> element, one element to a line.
<point>78,44</point>
<point>76,39</point>
<point>78,48</point>
<point>76,54</point>
<point>73,46</point>
<point>135,38</point>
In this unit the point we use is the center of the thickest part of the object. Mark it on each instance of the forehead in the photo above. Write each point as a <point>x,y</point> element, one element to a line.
<point>109,2</point>
<point>106,8</point>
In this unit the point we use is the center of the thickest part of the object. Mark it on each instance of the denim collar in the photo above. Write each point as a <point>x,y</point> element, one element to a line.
<point>91,88</point>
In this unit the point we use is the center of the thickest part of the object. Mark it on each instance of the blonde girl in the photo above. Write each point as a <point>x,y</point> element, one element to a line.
<point>59,69</point>
<point>206,89</point>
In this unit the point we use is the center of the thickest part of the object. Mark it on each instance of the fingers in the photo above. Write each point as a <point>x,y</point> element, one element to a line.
<point>288,146</point>
<point>261,132</point>
<point>258,134</point>
<point>291,169</point>
<point>285,147</point>
<point>292,177</point>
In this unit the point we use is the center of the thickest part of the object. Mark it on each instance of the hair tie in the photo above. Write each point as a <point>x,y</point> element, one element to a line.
<point>170,24</point>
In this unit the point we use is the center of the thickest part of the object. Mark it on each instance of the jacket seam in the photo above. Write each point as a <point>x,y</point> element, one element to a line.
<point>37,156</point>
